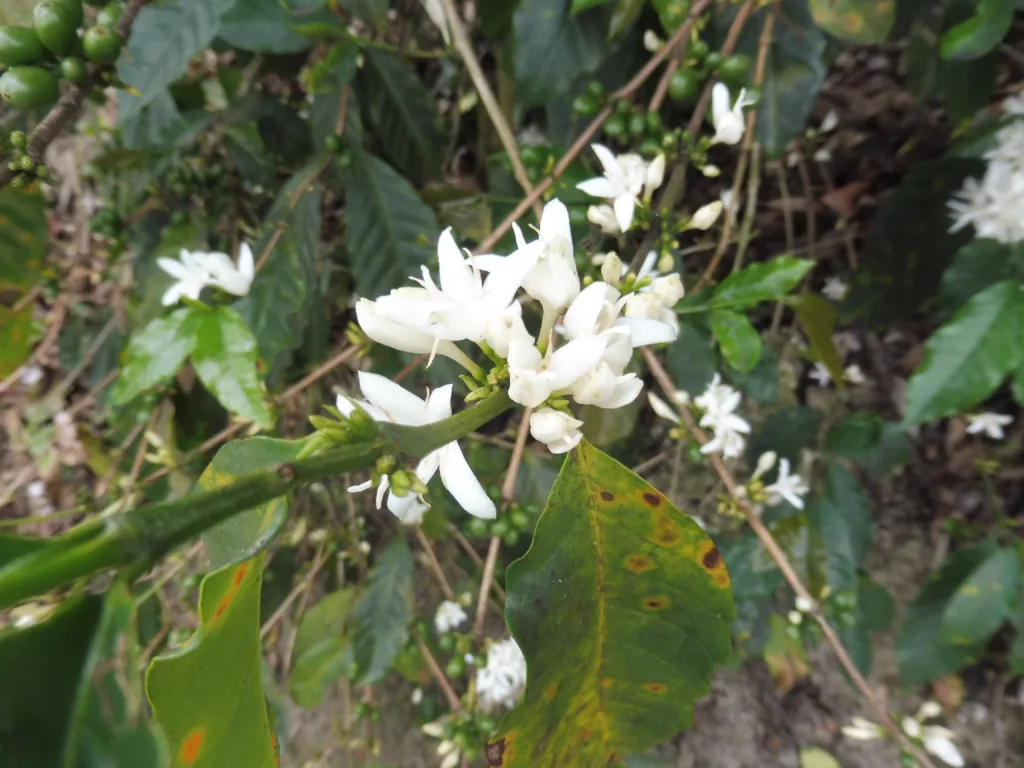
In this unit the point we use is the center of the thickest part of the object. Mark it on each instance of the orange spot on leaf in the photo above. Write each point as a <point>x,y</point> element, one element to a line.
<point>655,687</point>
<point>606,682</point>
<point>549,691</point>
<point>638,563</point>
<point>240,575</point>
<point>223,606</point>
<point>191,747</point>
<point>657,603</point>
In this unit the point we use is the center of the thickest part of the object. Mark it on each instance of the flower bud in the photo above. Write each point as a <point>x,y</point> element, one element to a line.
<point>706,215</point>
<point>558,430</point>
<point>603,217</point>
<point>764,463</point>
<point>668,288</point>
<point>362,424</point>
<point>611,269</point>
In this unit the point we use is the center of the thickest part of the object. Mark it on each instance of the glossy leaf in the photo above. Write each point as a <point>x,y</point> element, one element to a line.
<point>391,231</point>
<point>981,33</point>
<point>23,237</point>
<point>842,516</point>
<point>978,265</point>
<point>920,654</point>
<point>691,359</point>
<point>761,382</point>
<point>814,757</point>
<point>909,246</point>
<point>818,320</point>
<point>554,49</point>
<point>787,431</point>
<point>875,606</point>
<point>984,600</point>
<point>739,341</point>
<point>878,446</point>
<point>968,357</point>
<point>154,354</point>
<point>225,357</point>
<point>855,21</point>
<point>622,609</point>
<point>71,694</point>
<point>402,114</point>
<point>373,12</point>
<point>765,281</point>
<point>263,26</point>
<point>382,615</point>
<point>13,547</point>
<point>244,535</point>
<point>163,40</point>
<point>208,696</point>
<point>323,650</point>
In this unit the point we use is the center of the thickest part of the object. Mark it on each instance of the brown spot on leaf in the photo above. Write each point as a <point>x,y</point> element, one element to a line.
<point>607,495</point>
<point>656,603</point>
<point>223,606</point>
<point>549,691</point>
<point>638,563</point>
<point>586,732</point>
<point>853,22</point>
<point>666,532</point>
<point>655,687</point>
<point>495,751</point>
<point>606,682</point>
<point>652,499</point>
<point>240,575</point>
<point>712,561</point>
<point>191,747</point>
<point>286,472</point>
<point>712,558</point>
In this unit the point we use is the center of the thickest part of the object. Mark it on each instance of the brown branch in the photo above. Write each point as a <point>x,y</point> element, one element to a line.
<point>435,566</point>
<point>449,694</point>
<point>68,105</point>
<point>782,561</point>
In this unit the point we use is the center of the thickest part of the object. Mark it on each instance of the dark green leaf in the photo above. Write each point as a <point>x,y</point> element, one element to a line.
<point>336,69</point>
<point>244,535</point>
<point>979,34</point>
<point>739,342</point>
<point>373,12</point>
<point>646,761</point>
<point>878,446</point>
<point>978,265</point>
<point>856,21</point>
<point>818,320</point>
<point>578,6</point>
<point>381,617</point>
<point>1017,385</point>
<point>631,589</point>
<point>967,86</point>
<point>163,39</point>
<point>762,382</point>
<point>909,246</point>
<point>554,50</point>
<point>691,359</point>
<point>402,114</point>
<point>208,696</point>
<point>624,16</point>
<point>787,431</point>
<point>875,606</point>
<point>983,601</point>
<point>752,572</point>
<point>857,641</point>
<point>1017,649</point>
<point>765,281</point>
<point>920,654</point>
<point>262,26</point>
<point>154,354</point>
<point>843,518</point>
<point>71,694</point>
<point>224,357</point>
<point>322,650</point>
<point>156,126</point>
<point>16,338</point>
<point>391,231</point>
<point>968,357</point>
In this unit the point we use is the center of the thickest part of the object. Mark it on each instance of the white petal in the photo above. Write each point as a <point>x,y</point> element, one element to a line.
<point>582,316</point>
<point>945,750</point>
<point>391,333</point>
<point>246,262</point>
<point>720,102</point>
<point>624,205</point>
<point>461,483</point>
<point>644,331</point>
<point>409,509</point>
<point>661,408</point>
<point>598,186</point>
<point>554,221</point>
<point>358,487</point>
<point>456,276</point>
<point>439,404</point>
<point>175,268</point>
<point>488,262</point>
<point>574,359</point>
<point>609,164</point>
<point>401,405</point>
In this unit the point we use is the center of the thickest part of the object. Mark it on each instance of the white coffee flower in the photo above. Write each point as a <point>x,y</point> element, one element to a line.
<point>603,217</point>
<point>624,179</point>
<point>988,423</point>
<point>820,374</point>
<point>854,375</point>
<point>501,682</point>
<point>225,274</point>
<point>938,741</point>
<point>449,616</point>
<point>416,697</point>
<point>804,604</point>
<point>533,377</point>
<point>191,275</point>
<point>788,487</point>
<point>835,288</point>
<point>862,730</point>
<point>727,116</point>
<point>652,43</point>
<point>398,335</point>
<point>719,403</point>
<point>706,215</point>
<point>505,328</point>
<point>559,431</point>
<point>197,270</point>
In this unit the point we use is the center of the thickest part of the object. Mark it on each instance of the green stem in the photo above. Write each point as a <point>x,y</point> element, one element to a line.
<point>148,532</point>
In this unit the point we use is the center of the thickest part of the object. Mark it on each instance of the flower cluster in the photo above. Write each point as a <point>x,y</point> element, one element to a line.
<point>935,739</point>
<point>994,204</point>
<point>719,403</point>
<point>197,270</point>
<point>450,615</point>
<point>501,681</point>
<point>625,178</point>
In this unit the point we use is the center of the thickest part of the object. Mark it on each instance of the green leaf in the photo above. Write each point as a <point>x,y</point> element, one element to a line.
<point>646,761</point>
<point>818,319</point>
<point>262,26</point>
<point>163,40</point>
<point>323,651</point>
<point>154,127</point>
<point>978,265</point>
<point>554,50</point>
<point>765,281</point>
<point>1016,658</point>
<point>208,696</point>
<point>814,757</point>
<point>909,246</point>
<point>875,606</point>
<point>24,233</point>
<point>879,446</point>
<point>16,338</point>
<point>1017,385</point>
<point>13,547</point>
<point>381,617</point>
<point>752,572</point>
<point>855,21</point>
<point>634,592</point>
<point>983,601</point>
<point>739,342</point>
<point>979,34</point>
<point>391,231</point>
<point>578,6</point>
<point>225,357</point>
<point>968,357</point>
<point>761,383</point>
<point>71,694</point>
<point>691,359</point>
<point>244,535</point>
<point>154,354</point>
<point>402,114</point>
<point>843,518</point>
<point>624,17</point>
<point>373,12</point>
<point>920,655</point>
<point>787,431</point>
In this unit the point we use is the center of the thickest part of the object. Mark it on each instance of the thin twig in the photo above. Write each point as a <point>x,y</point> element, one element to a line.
<point>449,694</point>
<point>464,46</point>
<point>782,561</point>
<point>753,186</point>
<point>435,566</point>
<point>302,586</point>
<point>485,586</point>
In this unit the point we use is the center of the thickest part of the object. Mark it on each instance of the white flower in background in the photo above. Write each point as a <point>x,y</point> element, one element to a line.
<point>501,682</point>
<point>449,616</point>
<point>711,170</point>
<point>1014,105</point>
<point>416,697</point>
<point>625,177</point>
<point>823,155</point>
<point>830,122</point>
<point>447,750</point>
<point>804,604</point>
<point>31,376</point>
<point>603,217</point>
<point>534,377</point>
<point>387,401</point>
<point>612,269</point>
<point>225,274</point>
<point>861,729</point>
<point>652,43</point>
<point>938,741</point>
<point>558,430</point>
<point>788,487</point>
<point>820,374</point>
<point>731,203</point>
<point>726,115</point>
<point>197,269</point>
<point>835,288</point>
<point>435,10</point>
<point>191,275</point>
<point>605,388</point>
<point>706,215</point>
<point>854,375</point>
<point>461,305</point>
<point>988,423</point>
<point>719,403</point>
<point>935,739</point>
